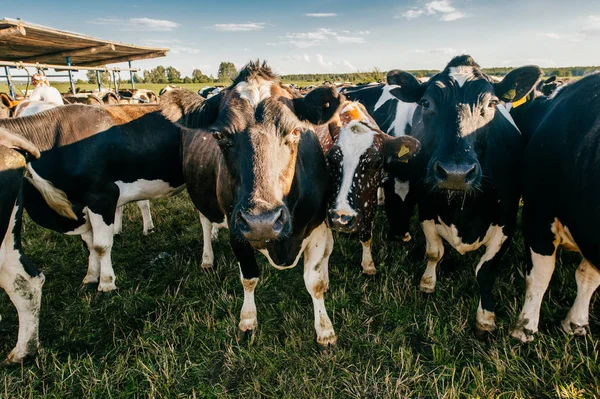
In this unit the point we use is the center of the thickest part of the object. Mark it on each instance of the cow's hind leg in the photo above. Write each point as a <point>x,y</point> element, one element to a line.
<point>316,279</point>
<point>118,219</point>
<point>23,284</point>
<point>102,244</point>
<point>208,257</point>
<point>249,274</point>
<point>93,272</point>
<point>434,252</point>
<point>146,216</point>
<point>588,280</point>
<point>366,239</point>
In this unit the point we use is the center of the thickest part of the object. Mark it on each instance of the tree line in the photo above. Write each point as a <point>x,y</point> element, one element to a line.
<point>227,72</point>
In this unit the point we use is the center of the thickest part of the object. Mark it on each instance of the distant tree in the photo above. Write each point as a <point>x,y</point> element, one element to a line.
<point>156,75</point>
<point>137,78</point>
<point>105,77</point>
<point>173,75</point>
<point>187,79</point>
<point>199,77</point>
<point>226,72</point>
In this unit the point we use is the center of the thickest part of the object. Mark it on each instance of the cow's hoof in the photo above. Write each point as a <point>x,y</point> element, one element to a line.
<point>90,280</point>
<point>574,329</point>
<point>246,335</point>
<point>106,287</point>
<point>483,331</point>
<point>148,232</point>
<point>427,285</point>
<point>327,348</point>
<point>17,359</point>
<point>523,334</point>
<point>206,266</point>
<point>370,272</point>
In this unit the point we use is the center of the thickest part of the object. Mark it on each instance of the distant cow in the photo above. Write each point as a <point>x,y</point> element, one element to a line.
<point>561,172</point>
<point>208,92</point>
<point>466,176</point>
<point>137,96</point>
<point>254,156</point>
<point>357,153</point>
<point>83,98</point>
<point>394,117</point>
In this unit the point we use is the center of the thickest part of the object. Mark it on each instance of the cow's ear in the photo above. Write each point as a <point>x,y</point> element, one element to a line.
<point>189,109</point>
<point>319,105</point>
<point>518,83</point>
<point>410,90</point>
<point>399,149</point>
<point>19,143</point>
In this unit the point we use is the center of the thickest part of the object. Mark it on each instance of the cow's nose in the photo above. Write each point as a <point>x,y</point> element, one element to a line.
<point>343,222</point>
<point>262,226</point>
<point>456,176</point>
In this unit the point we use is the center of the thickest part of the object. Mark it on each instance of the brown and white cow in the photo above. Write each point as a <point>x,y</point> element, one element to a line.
<point>253,158</point>
<point>357,152</point>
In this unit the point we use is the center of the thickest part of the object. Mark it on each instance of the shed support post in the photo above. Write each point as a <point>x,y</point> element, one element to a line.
<point>10,84</point>
<point>131,75</point>
<point>71,76</point>
<point>99,80</point>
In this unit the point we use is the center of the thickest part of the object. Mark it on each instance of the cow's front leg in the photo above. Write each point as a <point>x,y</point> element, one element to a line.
<point>146,216</point>
<point>588,280</point>
<point>118,220</point>
<point>434,252</point>
<point>316,279</point>
<point>208,257</point>
<point>366,239</point>
<point>486,272</point>
<point>103,233</point>
<point>249,274</point>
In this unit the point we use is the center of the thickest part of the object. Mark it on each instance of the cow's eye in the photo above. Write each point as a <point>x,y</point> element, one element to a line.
<point>425,104</point>
<point>492,104</point>
<point>296,132</point>
<point>218,135</point>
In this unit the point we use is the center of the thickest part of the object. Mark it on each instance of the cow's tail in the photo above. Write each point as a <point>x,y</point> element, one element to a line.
<point>54,197</point>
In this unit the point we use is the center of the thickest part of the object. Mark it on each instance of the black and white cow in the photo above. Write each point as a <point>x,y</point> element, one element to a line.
<point>561,171</point>
<point>466,176</point>
<point>254,159</point>
<point>209,91</point>
<point>394,117</point>
<point>357,153</point>
<point>93,161</point>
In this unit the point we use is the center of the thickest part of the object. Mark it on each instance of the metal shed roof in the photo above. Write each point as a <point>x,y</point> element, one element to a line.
<point>28,42</point>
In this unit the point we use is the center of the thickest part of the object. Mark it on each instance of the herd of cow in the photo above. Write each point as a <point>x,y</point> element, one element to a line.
<point>282,170</point>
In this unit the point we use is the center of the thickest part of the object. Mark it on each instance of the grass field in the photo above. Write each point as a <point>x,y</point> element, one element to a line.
<point>170,329</point>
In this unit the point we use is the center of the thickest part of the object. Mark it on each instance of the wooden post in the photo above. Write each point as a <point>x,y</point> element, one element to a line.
<point>10,84</point>
<point>131,74</point>
<point>70,76</point>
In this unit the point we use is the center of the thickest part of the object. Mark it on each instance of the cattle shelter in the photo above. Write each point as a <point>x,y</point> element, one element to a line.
<point>24,44</point>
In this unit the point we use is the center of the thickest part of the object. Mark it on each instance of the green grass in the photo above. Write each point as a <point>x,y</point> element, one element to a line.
<point>170,329</point>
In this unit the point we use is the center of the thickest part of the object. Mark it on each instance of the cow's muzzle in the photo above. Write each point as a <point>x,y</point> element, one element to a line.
<point>457,176</point>
<point>343,222</point>
<point>264,226</point>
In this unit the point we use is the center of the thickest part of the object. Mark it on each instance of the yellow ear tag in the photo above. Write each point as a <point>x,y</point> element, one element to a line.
<point>520,102</point>
<point>403,151</point>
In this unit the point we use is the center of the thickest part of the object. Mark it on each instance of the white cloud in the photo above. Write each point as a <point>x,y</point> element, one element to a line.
<point>322,36</point>
<point>439,50</point>
<point>320,14</point>
<point>551,35</point>
<point>137,24</point>
<point>442,8</point>
<point>184,50</point>
<point>348,65</point>
<point>271,44</point>
<point>410,14</point>
<point>322,62</point>
<point>246,27</point>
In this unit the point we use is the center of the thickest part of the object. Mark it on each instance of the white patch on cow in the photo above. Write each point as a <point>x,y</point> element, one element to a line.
<point>450,234</point>
<point>144,206</point>
<point>217,226</point>
<point>248,319</point>
<point>354,140</point>
<point>401,188</point>
<point>588,280</point>
<point>102,241</point>
<point>404,111</point>
<point>254,91</point>
<point>493,240</point>
<point>316,280</point>
<point>536,284</point>
<point>24,291</point>
<point>461,74</point>
<point>54,197</point>
<point>486,320</point>
<point>367,263</point>
<point>93,271</point>
<point>28,108</point>
<point>143,189</point>
<point>380,196</point>
<point>506,114</point>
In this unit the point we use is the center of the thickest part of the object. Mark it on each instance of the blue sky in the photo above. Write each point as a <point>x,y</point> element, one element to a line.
<point>336,36</point>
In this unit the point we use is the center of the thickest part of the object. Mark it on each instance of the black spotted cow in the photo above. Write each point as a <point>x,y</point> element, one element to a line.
<point>466,176</point>
<point>394,117</point>
<point>561,171</point>
<point>253,158</point>
<point>357,153</point>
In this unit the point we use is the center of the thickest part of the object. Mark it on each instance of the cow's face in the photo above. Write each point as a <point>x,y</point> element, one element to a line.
<point>258,129</point>
<point>456,111</point>
<point>356,162</point>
